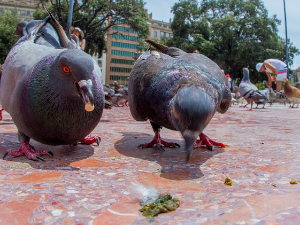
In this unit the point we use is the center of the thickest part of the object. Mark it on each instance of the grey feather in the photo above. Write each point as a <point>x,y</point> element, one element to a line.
<point>178,90</point>
<point>46,102</point>
<point>250,92</point>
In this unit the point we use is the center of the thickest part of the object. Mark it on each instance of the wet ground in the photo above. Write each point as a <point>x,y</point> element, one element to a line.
<point>94,185</point>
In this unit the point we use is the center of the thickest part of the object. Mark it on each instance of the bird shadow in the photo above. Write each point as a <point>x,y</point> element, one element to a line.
<point>172,160</point>
<point>64,155</point>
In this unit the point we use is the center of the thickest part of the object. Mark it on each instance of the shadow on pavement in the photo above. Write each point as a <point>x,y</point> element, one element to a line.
<point>172,160</point>
<point>64,155</point>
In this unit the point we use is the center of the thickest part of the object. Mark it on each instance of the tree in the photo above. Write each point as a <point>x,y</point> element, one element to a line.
<point>7,27</point>
<point>233,33</point>
<point>96,17</point>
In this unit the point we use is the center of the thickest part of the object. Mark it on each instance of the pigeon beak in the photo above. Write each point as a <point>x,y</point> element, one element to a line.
<point>191,112</point>
<point>85,90</point>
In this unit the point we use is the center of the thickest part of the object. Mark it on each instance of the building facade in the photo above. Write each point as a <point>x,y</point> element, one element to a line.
<point>122,47</point>
<point>24,8</point>
<point>122,41</point>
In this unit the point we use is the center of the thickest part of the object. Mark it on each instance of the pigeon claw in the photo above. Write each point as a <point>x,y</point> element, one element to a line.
<point>27,150</point>
<point>159,143</point>
<point>90,140</point>
<point>40,158</point>
<point>205,140</point>
<point>50,153</point>
<point>5,154</point>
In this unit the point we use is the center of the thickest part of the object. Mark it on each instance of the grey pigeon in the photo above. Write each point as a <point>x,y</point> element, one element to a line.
<point>271,94</point>
<point>250,92</point>
<point>121,94</point>
<point>20,28</point>
<point>179,91</point>
<point>54,95</point>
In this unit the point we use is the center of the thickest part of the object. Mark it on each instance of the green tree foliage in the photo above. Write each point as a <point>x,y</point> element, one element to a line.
<point>96,17</point>
<point>8,26</point>
<point>233,33</point>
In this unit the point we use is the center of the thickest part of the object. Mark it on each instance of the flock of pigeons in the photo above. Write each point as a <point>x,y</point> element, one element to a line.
<point>115,96</point>
<point>249,93</point>
<point>54,93</point>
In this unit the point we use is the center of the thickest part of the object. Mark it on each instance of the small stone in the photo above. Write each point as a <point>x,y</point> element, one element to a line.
<point>71,214</point>
<point>56,212</point>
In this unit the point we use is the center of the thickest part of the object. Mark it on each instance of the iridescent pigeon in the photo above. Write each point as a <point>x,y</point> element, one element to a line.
<point>54,95</point>
<point>179,91</point>
<point>250,92</point>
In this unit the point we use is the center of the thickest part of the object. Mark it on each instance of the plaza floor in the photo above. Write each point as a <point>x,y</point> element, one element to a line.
<point>95,185</point>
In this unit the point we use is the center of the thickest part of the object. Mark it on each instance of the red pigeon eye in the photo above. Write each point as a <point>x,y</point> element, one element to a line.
<point>66,69</point>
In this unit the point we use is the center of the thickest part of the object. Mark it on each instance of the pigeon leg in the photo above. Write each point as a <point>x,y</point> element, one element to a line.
<point>1,109</point>
<point>158,142</point>
<point>28,151</point>
<point>251,106</point>
<point>91,140</point>
<point>205,140</point>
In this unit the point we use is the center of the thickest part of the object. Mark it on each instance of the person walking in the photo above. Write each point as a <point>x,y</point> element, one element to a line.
<point>276,71</point>
<point>230,82</point>
<point>79,33</point>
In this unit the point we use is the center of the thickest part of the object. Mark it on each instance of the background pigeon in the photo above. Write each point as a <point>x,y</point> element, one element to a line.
<point>250,92</point>
<point>292,93</point>
<point>270,94</point>
<point>177,90</point>
<point>54,95</point>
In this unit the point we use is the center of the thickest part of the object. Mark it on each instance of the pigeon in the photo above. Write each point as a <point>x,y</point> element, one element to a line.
<point>121,93</point>
<point>292,93</point>
<point>54,95</point>
<point>271,95</point>
<point>297,85</point>
<point>250,92</point>
<point>179,91</point>
<point>20,28</point>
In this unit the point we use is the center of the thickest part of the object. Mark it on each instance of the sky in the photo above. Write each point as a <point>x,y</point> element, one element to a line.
<point>161,10</point>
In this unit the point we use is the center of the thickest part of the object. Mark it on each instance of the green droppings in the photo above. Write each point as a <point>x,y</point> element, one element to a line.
<point>163,204</point>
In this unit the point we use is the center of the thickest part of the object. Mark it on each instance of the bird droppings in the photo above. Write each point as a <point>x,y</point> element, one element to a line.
<point>293,182</point>
<point>163,204</point>
<point>228,181</point>
<point>200,188</point>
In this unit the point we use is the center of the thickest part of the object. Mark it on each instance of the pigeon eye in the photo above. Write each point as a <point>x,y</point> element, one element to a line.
<point>66,69</point>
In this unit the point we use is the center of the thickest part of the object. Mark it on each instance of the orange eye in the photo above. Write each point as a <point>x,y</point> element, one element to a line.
<point>66,69</point>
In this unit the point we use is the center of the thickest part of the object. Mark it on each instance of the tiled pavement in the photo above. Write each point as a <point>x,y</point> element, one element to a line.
<point>94,185</point>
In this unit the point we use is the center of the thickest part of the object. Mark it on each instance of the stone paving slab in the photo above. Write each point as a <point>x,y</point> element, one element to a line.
<point>94,185</point>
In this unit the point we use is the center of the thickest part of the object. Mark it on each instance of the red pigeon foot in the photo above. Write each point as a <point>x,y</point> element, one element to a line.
<point>91,140</point>
<point>28,151</point>
<point>205,140</point>
<point>159,142</point>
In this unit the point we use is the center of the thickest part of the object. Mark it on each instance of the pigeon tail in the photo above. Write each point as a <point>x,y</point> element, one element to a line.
<point>192,111</point>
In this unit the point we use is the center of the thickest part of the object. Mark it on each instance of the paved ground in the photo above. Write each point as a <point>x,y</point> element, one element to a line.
<point>94,185</point>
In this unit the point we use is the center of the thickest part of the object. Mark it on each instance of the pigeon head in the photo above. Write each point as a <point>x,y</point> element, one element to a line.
<point>192,111</point>
<point>70,67</point>
<point>19,30</point>
<point>246,75</point>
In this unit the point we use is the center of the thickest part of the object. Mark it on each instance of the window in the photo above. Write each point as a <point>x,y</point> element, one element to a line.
<point>115,77</point>
<point>123,53</point>
<point>124,29</point>
<point>122,61</point>
<point>124,37</point>
<point>155,33</point>
<point>120,69</point>
<point>28,13</point>
<point>162,34</point>
<point>167,35</point>
<point>1,10</point>
<point>123,45</point>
